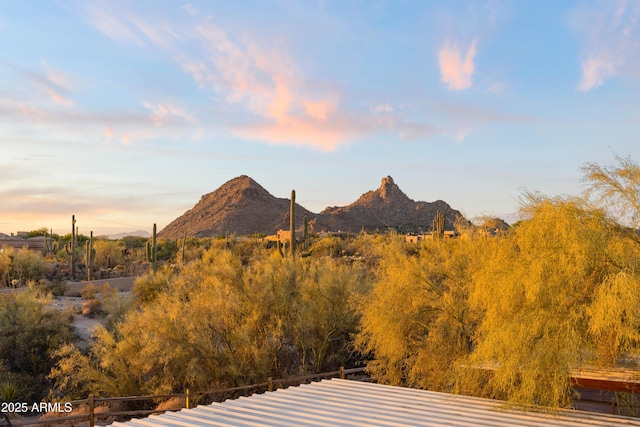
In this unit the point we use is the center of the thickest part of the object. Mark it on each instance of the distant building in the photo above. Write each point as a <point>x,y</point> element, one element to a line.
<point>415,238</point>
<point>35,243</point>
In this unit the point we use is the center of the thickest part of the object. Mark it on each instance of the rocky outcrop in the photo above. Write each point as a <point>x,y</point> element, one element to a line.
<point>243,207</point>
<point>387,208</point>
<point>240,206</point>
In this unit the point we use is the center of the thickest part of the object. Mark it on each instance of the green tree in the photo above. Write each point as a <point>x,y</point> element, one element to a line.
<point>549,293</point>
<point>417,324</point>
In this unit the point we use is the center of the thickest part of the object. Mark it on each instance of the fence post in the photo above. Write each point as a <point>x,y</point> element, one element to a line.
<point>186,399</point>
<point>270,379</point>
<point>341,372</point>
<point>91,408</point>
<point>613,406</point>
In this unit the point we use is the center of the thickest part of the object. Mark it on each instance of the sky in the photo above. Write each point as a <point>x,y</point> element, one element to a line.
<point>124,113</point>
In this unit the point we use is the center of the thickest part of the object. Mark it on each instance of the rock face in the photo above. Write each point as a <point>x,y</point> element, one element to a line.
<point>243,207</point>
<point>383,209</point>
<point>240,206</point>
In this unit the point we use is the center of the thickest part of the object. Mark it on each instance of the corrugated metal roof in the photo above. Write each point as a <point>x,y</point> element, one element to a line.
<point>352,403</point>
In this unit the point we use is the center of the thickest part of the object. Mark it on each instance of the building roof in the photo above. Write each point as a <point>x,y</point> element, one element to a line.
<point>352,403</point>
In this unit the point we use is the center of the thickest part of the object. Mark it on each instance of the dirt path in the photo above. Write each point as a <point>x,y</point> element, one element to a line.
<point>123,284</point>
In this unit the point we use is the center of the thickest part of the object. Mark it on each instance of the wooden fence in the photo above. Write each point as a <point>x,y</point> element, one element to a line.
<point>92,402</point>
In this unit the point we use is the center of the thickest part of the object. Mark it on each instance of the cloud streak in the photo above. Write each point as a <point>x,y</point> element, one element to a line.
<point>610,31</point>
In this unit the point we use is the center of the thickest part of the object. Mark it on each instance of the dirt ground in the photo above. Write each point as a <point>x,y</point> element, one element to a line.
<point>71,302</point>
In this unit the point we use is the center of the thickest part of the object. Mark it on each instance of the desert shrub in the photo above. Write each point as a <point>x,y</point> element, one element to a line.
<point>219,322</point>
<point>108,253</point>
<point>134,242</point>
<point>9,391</point>
<point>89,291</point>
<point>167,249</point>
<point>31,332</point>
<point>54,288</point>
<point>147,288</point>
<point>22,265</point>
<point>329,246</point>
<point>115,306</point>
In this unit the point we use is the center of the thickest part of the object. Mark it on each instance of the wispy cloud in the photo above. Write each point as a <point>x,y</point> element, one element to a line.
<point>595,70</point>
<point>163,112</point>
<point>460,120</point>
<point>610,31</point>
<point>253,75</point>
<point>457,67</point>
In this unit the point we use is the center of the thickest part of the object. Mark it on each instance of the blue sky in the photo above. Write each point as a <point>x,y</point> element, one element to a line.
<point>125,112</point>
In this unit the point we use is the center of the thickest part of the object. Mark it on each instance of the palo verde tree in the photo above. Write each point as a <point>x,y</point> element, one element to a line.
<point>616,187</point>
<point>560,292</point>
<point>416,324</point>
<point>220,322</point>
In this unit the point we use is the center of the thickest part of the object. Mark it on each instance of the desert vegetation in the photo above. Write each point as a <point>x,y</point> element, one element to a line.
<point>503,315</point>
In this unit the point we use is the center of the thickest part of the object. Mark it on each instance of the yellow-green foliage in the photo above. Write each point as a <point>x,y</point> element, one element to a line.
<point>108,253</point>
<point>31,332</point>
<point>417,323</point>
<point>550,292</point>
<point>218,322</point>
<point>616,187</point>
<point>614,316</point>
<point>22,265</point>
<point>506,316</point>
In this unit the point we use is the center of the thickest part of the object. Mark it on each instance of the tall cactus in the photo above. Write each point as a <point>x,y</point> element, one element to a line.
<point>305,234</point>
<point>437,225</point>
<point>90,256</point>
<point>71,247</point>
<point>152,251</point>
<point>184,241</point>
<point>292,222</point>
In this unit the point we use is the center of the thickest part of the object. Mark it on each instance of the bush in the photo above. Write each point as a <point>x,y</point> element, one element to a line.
<point>30,332</point>
<point>89,291</point>
<point>21,266</point>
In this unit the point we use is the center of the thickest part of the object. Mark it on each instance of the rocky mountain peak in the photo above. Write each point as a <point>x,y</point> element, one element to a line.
<point>389,192</point>
<point>242,206</point>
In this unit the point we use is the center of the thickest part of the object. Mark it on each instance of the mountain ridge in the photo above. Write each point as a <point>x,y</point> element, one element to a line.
<point>242,206</point>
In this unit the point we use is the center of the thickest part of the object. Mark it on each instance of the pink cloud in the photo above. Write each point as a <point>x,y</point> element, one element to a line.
<point>319,110</point>
<point>595,70</point>
<point>164,112</point>
<point>456,68</point>
<point>255,75</point>
<point>53,83</point>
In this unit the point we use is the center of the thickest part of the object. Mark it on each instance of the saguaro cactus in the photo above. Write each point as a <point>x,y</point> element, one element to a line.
<point>152,251</point>
<point>292,222</point>
<point>184,241</point>
<point>71,246</point>
<point>305,234</point>
<point>437,225</point>
<point>90,256</point>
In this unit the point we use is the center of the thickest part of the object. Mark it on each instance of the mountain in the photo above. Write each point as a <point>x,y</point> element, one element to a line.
<point>241,206</point>
<point>385,208</point>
